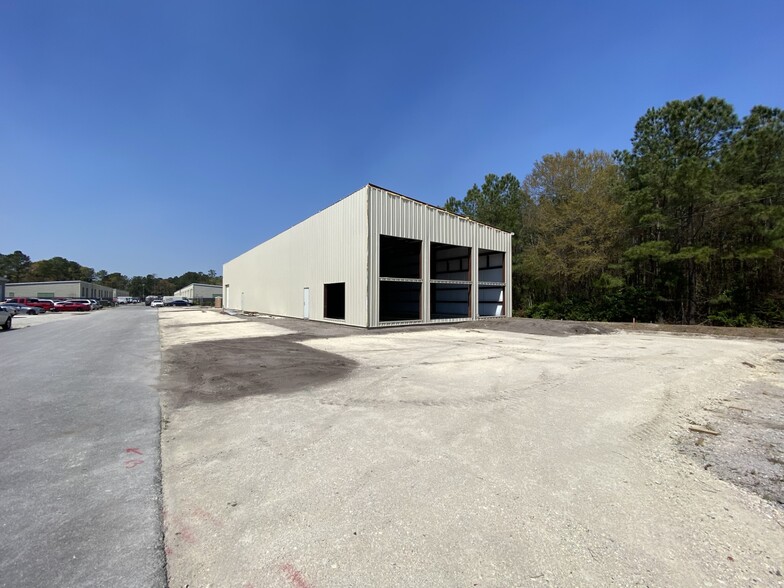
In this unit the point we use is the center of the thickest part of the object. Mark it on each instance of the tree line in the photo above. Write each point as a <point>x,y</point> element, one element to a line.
<point>18,267</point>
<point>686,225</point>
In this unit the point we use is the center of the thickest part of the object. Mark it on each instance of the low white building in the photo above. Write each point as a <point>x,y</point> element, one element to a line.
<point>200,292</point>
<point>61,289</point>
<point>376,258</point>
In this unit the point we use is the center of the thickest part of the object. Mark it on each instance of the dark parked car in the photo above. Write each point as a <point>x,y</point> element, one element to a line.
<point>179,303</point>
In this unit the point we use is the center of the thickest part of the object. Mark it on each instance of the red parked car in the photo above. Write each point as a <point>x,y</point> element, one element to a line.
<point>44,305</point>
<point>71,305</point>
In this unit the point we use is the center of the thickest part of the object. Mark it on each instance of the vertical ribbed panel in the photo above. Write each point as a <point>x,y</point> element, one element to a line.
<point>341,244</point>
<point>398,216</point>
<point>328,247</point>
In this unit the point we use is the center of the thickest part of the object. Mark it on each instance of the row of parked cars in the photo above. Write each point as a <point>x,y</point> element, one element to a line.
<point>158,301</point>
<point>14,306</point>
<point>40,305</point>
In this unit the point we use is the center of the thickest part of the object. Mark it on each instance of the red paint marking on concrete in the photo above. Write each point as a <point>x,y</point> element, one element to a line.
<point>248,585</point>
<point>176,527</point>
<point>186,535</point>
<point>168,550</point>
<point>207,516</point>
<point>295,576</point>
<point>173,521</point>
<point>132,463</point>
<point>133,450</point>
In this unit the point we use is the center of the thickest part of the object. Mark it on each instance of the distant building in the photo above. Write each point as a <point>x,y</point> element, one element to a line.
<point>63,289</point>
<point>373,259</point>
<point>199,292</point>
<point>3,282</point>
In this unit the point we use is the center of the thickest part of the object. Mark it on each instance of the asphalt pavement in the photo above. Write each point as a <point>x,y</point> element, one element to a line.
<point>80,482</point>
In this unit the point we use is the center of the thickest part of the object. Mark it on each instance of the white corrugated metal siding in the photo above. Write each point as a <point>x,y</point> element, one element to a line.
<point>329,247</point>
<point>341,244</point>
<point>398,216</point>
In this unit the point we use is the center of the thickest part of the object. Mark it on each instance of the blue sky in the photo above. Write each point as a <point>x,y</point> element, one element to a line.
<point>165,137</point>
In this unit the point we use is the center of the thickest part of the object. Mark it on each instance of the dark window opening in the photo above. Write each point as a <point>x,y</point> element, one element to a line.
<point>491,266</point>
<point>491,283</point>
<point>335,301</point>
<point>449,301</point>
<point>450,262</point>
<point>400,258</point>
<point>399,301</point>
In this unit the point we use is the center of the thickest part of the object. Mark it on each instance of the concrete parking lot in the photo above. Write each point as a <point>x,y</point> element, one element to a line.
<point>301,455</point>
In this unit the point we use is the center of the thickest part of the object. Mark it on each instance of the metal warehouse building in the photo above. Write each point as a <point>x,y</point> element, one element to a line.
<point>373,259</point>
<point>64,289</point>
<point>200,292</point>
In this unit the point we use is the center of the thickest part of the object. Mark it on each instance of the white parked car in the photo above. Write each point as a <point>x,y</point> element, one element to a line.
<point>5,319</point>
<point>91,303</point>
<point>22,308</point>
<point>156,303</point>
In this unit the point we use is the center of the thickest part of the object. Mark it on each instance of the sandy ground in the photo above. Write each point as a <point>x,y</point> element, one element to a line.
<point>482,454</point>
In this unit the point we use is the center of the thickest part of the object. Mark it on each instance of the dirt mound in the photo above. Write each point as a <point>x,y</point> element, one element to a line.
<point>738,332</point>
<point>539,327</point>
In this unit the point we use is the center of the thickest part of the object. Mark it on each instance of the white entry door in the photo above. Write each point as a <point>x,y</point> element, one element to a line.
<point>306,303</point>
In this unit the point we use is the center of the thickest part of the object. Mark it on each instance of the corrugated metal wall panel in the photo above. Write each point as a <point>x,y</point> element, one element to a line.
<point>341,244</point>
<point>329,247</point>
<point>398,216</point>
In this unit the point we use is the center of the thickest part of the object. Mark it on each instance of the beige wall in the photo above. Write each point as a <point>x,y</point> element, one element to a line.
<point>199,291</point>
<point>328,247</point>
<point>398,216</point>
<point>61,290</point>
<point>341,244</point>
